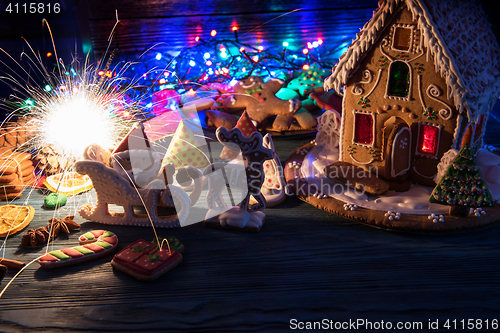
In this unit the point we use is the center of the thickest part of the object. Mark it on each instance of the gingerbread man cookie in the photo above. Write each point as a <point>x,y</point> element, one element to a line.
<point>260,101</point>
<point>308,81</point>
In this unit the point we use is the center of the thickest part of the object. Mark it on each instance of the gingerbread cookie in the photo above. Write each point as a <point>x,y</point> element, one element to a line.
<point>93,244</point>
<point>260,101</point>
<point>308,81</point>
<point>221,119</point>
<point>16,172</point>
<point>146,261</point>
<point>356,177</point>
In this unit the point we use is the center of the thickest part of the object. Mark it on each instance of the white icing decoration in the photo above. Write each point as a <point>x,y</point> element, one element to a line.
<point>250,85</point>
<point>421,175</point>
<point>383,44</point>
<point>445,162</point>
<point>291,105</point>
<point>350,206</point>
<point>376,82</point>
<point>392,216</point>
<point>329,129</point>
<point>478,212</point>
<point>413,201</point>
<point>364,163</point>
<point>436,218</point>
<point>356,89</point>
<point>419,80</point>
<point>403,143</point>
<point>240,218</point>
<point>433,92</point>
<point>342,131</point>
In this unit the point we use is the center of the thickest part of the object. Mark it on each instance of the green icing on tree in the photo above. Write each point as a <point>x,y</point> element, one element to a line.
<point>463,183</point>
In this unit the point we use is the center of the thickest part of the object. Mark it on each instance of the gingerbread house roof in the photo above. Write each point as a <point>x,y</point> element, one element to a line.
<point>456,34</point>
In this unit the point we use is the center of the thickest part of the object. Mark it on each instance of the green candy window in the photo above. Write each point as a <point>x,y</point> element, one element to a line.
<point>399,79</point>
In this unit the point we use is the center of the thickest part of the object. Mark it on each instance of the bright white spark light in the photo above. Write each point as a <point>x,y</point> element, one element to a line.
<point>75,121</point>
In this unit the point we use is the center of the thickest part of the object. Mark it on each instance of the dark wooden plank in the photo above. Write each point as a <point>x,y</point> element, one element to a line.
<point>305,264</point>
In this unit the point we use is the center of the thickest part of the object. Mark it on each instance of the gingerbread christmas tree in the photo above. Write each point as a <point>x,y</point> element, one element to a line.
<point>463,185</point>
<point>184,149</point>
<point>247,127</point>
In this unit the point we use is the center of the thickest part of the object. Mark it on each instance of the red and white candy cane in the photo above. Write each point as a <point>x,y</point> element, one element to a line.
<point>93,244</point>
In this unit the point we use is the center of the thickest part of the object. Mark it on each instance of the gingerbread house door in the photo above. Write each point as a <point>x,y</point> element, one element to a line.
<point>398,149</point>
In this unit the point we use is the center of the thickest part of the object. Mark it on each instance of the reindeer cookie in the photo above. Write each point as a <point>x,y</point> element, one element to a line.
<point>260,101</point>
<point>247,178</point>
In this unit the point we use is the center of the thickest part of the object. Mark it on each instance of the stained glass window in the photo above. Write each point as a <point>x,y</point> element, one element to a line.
<point>428,140</point>
<point>402,39</point>
<point>363,128</point>
<point>399,79</point>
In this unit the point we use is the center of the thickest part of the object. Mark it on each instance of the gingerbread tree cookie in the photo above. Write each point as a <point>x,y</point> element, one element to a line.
<point>308,81</point>
<point>184,149</point>
<point>259,99</point>
<point>462,186</point>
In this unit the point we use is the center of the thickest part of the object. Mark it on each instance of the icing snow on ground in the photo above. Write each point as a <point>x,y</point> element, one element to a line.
<point>413,201</point>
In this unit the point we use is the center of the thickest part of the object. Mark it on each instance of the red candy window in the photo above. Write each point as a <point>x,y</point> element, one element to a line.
<point>363,128</point>
<point>428,140</point>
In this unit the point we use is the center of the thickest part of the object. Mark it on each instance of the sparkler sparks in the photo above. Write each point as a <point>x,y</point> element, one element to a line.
<point>78,109</point>
<point>69,122</point>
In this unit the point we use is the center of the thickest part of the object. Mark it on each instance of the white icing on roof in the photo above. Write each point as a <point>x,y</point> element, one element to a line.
<point>458,36</point>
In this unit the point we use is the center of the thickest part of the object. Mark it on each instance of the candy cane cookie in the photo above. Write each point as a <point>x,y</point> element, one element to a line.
<point>93,244</point>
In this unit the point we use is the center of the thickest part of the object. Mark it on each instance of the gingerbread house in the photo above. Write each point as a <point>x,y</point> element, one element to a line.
<point>417,75</point>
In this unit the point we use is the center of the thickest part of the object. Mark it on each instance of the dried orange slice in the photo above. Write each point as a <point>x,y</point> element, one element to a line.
<point>69,183</point>
<point>14,218</point>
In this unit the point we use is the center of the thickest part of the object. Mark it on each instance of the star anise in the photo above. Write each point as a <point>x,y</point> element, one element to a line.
<point>35,237</point>
<point>56,226</point>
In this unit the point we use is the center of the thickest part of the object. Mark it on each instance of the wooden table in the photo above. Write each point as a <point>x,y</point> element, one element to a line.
<point>305,264</point>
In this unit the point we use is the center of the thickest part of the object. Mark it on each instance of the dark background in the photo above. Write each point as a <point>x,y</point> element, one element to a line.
<point>168,25</point>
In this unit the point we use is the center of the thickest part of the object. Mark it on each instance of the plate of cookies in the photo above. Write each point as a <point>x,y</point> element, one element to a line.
<point>276,107</point>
